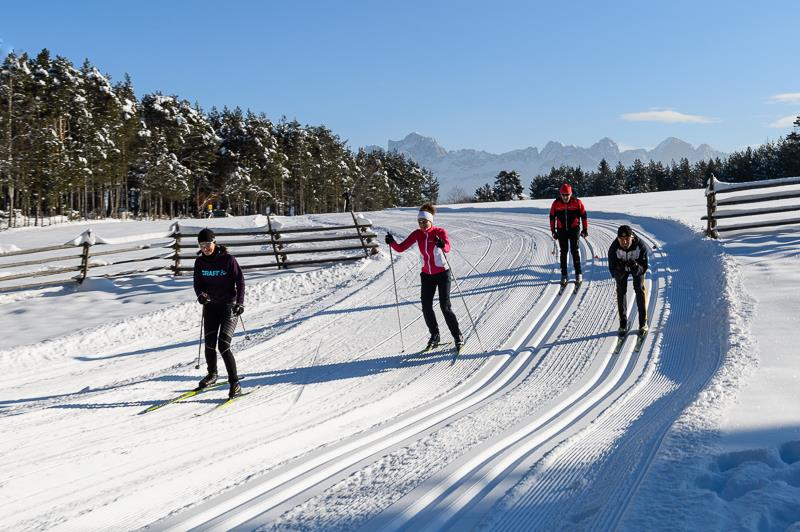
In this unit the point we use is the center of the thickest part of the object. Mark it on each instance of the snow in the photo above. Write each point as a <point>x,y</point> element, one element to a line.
<point>542,429</point>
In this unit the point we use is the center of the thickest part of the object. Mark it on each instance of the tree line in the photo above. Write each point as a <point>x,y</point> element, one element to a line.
<point>72,143</point>
<point>768,161</point>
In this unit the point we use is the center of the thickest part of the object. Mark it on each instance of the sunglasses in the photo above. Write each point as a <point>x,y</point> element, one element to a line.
<point>205,244</point>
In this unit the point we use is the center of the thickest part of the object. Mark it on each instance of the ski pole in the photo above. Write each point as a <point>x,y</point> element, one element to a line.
<point>397,301</point>
<point>200,345</point>
<point>474,327</point>
<point>244,331</point>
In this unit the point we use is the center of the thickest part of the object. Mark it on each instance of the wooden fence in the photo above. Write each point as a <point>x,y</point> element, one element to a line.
<point>287,247</point>
<point>775,202</point>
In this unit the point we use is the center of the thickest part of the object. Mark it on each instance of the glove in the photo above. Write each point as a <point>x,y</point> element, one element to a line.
<point>238,310</point>
<point>585,233</point>
<point>439,243</point>
<point>637,270</point>
<point>203,298</point>
<point>389,238</point>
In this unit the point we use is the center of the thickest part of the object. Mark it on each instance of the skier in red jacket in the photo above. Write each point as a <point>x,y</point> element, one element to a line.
<point>433,244</point>
<point>567,214</point>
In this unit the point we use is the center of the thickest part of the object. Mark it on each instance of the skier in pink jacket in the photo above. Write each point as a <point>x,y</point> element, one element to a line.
<point>433,244</point>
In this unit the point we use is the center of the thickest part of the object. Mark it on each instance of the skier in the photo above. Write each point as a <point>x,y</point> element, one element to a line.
<point>628,256</point>
<point>567,214</point>
<point>433,243</point>
<point>219,285</point>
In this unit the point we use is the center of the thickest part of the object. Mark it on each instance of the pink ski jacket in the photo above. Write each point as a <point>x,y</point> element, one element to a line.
<point>432,257</point>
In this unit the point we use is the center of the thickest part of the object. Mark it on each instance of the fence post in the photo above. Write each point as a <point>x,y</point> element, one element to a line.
<point>272,241</point>
<point>85,255</point>
<point>360,234</point>
<point>176,246</point>
<point>711,206</point>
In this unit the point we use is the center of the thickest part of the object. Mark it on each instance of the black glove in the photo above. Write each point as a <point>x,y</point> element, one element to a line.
<point>585,233</point>
<point>389,238</point>
<point>238,310</point>
<point>203,298</point>
<point>637,269</point>
<point>439,243</point>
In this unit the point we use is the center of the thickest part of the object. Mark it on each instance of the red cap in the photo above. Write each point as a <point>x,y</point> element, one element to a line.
<point>566,188</point>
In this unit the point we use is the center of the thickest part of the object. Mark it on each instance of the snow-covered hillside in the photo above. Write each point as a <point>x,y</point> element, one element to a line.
<point>536,426</point>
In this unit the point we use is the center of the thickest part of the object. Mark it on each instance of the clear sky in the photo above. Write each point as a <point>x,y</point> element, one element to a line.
<point>497,75</point>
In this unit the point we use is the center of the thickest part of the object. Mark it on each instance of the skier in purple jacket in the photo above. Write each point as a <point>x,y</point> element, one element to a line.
<point>219,285</point>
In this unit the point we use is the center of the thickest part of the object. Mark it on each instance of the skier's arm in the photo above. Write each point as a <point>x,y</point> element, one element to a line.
<point>642,260</point>
<point>584,217</point>
<point>407,243</point>
<point>198,284</point>
<point>446,239</point>
<point>553,217</point>
<point>238,279</point>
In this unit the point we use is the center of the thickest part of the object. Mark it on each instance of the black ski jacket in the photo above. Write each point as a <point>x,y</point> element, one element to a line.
<point>621,262</point>
<point>219,276</point>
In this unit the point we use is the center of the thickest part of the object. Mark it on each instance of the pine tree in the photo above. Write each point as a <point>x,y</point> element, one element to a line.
<point>507,186</point>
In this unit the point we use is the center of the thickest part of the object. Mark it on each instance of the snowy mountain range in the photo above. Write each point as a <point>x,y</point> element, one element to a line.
<point>469,169</point>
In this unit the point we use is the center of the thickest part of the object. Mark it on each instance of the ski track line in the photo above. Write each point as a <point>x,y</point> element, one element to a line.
<point>369,526</point>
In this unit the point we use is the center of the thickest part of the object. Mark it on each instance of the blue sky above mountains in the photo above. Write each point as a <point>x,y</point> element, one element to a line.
<point>498,77</point>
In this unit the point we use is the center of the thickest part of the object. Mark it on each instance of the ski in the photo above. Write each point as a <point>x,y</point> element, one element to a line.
<point>456,352</point>
<point>618,346</point>
<point>426,351</point>
<point>639,341</point>
<point>227,402</point>
<point>577,286</point>
<point>561,290</point>
<point>184,395</point>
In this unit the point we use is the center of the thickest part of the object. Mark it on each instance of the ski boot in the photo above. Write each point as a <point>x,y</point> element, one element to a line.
<point>234,390</point>
<point>207,381</point>
<point>563,281</point>
<point>643,329</point>
<point>578,278</point>
<point>623,329</point>
<point>459,343</point>
<point>432,343</point>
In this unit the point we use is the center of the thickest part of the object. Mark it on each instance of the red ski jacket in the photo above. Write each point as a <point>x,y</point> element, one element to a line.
<point>432,257</point>
<point>568,215</point>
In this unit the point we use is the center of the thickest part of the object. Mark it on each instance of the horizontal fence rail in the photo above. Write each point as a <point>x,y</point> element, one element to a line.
<point>713,204</point>
<point>277,247</point>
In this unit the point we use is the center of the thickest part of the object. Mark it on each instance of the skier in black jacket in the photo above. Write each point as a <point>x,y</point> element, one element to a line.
<point>628,256</point>
<point>219,285</point>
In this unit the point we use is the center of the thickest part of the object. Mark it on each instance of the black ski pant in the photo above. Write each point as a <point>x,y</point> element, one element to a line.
<point>622,302</point>
<point>429,285</point>
<point>568,241</point>
<point>220,324</point>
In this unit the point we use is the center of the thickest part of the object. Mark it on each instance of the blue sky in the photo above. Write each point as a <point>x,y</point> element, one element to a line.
<point>498,75</point>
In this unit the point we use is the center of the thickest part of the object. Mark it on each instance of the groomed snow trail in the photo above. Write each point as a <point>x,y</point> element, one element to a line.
<point>541,429</point>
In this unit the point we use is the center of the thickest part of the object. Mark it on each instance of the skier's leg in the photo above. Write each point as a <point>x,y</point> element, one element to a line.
<point>575,250</point>
<point>428,289</point>
<point>444,303</point>
<point>227,329</point>
<point>641,298</point>
<point>563,246</point>
<point>622,304</point>
<point>211,325</point>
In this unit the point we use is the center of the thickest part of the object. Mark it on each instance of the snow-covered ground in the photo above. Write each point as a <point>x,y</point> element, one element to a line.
<point>535,426</point>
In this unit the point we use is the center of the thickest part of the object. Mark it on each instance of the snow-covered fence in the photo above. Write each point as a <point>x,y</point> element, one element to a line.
<point>781,201</point>
<point>309,244</point>
<point>50,262</point>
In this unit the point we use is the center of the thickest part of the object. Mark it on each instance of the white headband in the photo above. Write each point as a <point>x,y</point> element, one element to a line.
<point>425,215</point>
